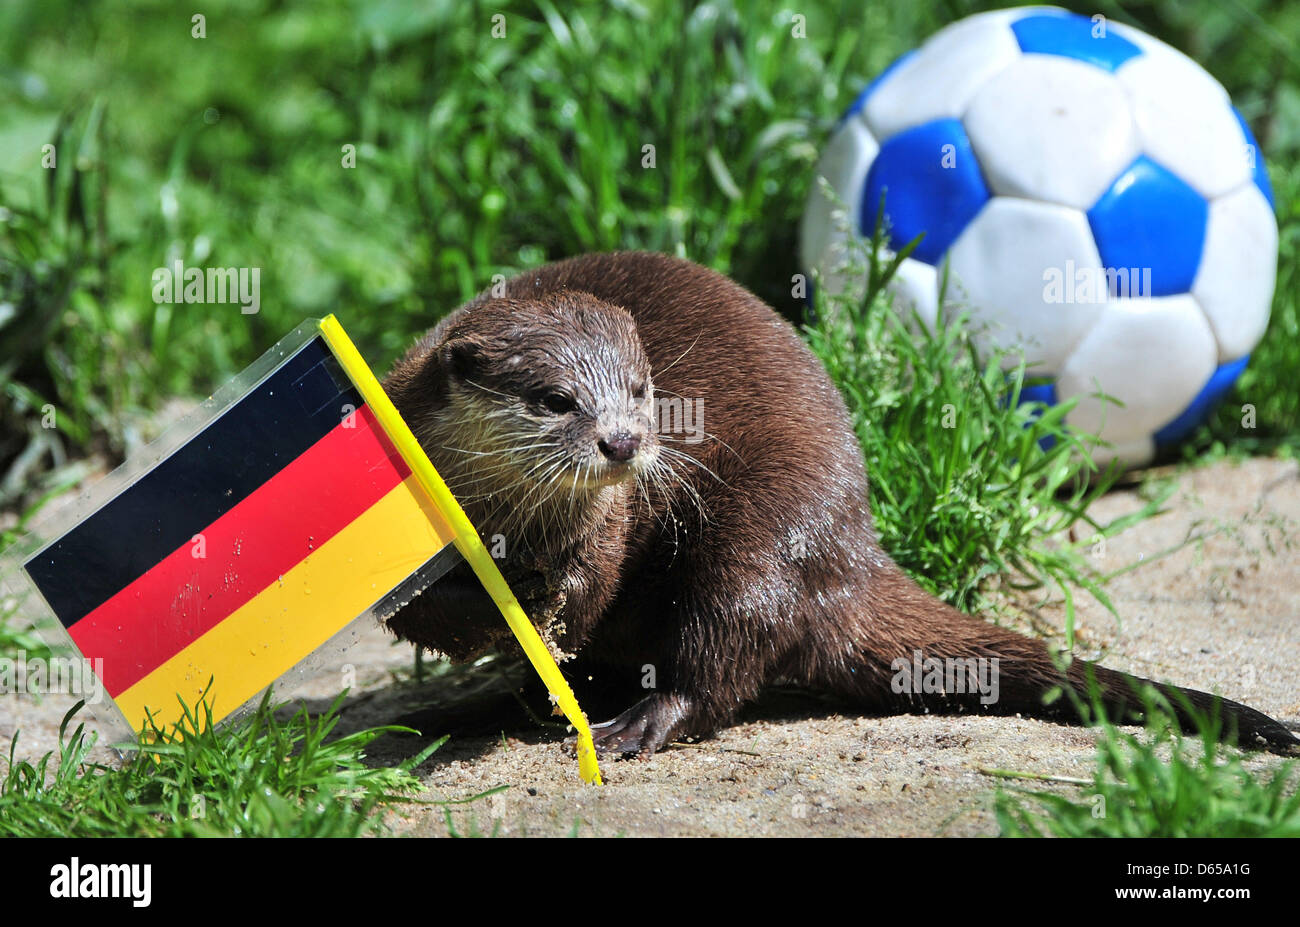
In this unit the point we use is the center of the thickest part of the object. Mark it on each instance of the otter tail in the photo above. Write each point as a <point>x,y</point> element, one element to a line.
<point>1121,695</point>
<point>914,653</point>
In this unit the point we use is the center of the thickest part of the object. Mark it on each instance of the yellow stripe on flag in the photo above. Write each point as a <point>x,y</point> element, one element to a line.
<point>468,542</point>
<point>293,616</point>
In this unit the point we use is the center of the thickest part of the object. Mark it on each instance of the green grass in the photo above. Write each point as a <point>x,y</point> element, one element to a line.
<point>17,635</point>
<point>971,490</point>
<point>15,639</point>
<point>264,776</point>
<point>1159,784</point>
<point>1268,385</point>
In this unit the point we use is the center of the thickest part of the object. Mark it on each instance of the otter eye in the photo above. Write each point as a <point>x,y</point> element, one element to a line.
<point>639,392</point>
<point>558,403</point>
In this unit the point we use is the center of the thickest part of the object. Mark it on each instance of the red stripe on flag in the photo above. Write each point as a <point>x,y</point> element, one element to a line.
<point>249,547</point>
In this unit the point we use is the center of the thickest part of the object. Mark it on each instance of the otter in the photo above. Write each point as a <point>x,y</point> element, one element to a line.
<point>722,559</point>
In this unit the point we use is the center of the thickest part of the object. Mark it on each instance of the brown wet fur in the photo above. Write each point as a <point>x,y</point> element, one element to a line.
<point>756,560</point>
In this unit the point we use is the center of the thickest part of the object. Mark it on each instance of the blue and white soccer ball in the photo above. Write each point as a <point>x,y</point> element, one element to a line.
<point>1094,199</point>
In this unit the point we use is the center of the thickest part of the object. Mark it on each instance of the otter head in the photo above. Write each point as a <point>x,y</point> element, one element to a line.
<point>538,403</point>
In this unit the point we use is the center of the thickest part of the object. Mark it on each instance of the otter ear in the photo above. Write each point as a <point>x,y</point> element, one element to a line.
<point>462,357</point>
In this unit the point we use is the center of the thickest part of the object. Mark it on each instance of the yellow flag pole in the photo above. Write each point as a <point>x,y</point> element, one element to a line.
<point>467,540</point>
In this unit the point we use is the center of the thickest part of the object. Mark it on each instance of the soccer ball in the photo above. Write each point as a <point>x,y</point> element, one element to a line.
<point>1087,194</point>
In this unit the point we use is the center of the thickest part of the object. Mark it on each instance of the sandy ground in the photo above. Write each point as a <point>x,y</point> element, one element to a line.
<point>1218,614</point>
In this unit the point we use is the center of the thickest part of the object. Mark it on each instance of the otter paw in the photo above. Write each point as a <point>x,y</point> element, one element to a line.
<point>645,728</point>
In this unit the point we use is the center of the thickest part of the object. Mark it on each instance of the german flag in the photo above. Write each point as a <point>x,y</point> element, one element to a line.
<point>245,549</point>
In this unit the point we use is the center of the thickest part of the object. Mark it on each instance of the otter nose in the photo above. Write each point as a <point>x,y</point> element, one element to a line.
<point>620,446</point>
